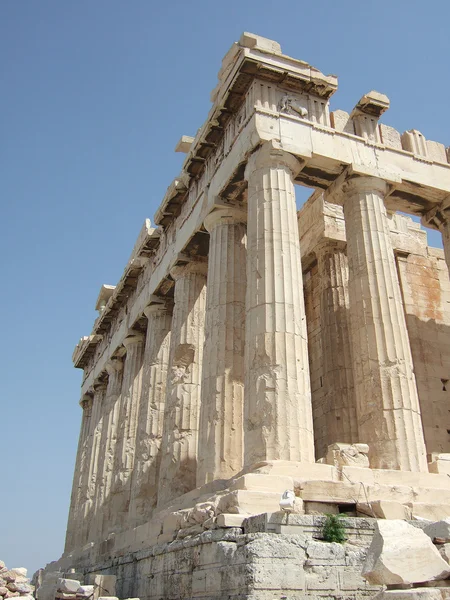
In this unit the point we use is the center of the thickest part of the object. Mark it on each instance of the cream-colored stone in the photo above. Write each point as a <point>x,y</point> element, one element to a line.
<point>178,469</point>
<point>440,464</point>
<point>390,136</point>
<point>249,502</point>
<point>345,455</point>
<point>383,372</point>
<point>384,509</point>
<point>68,586</point>
<point>402,554</point>
<point>339,400</point>
<point>220,452</point>
<point>125,447</point>
<point>262,483</point>
<point>149,432</point>
<point>276,353</point>
<point>184,144</point>
<point>230,520</point>
<point>429,511</point>
<point>310,378</point>
<point>104,585</point>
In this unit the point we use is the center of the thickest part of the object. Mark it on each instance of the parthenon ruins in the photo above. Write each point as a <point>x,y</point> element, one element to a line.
<point>250,349</point>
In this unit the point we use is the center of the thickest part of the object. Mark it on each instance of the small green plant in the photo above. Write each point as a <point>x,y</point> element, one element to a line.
<point>334,530</point>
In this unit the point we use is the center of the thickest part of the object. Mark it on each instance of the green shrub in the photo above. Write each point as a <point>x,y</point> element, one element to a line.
<point>334,530</point>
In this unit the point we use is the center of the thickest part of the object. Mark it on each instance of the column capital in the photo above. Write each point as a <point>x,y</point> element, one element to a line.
<point>225,216</point>
<point>359,178</point>
<point>133,337</point>
<point>165,306</point>
<point>438,216</point>
<point>271,154</point>
<point>330,245</point>
<point>197,266</point>
<point>100,385</point>
<point>86,401</point>
<point>114,365</point>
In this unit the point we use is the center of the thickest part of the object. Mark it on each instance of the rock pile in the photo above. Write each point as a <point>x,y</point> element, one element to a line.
<point>14,582</point>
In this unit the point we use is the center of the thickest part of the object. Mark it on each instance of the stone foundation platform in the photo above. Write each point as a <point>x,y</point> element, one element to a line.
<point>270,556</point>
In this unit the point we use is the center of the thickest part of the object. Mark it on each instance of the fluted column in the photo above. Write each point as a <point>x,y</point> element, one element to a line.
<point>180,433</point>
<point>387,401</point>
<point>144,491</point>
<point>220,448</point>
<point>439,218</point>
<point>339,400</point>
<point>107,444</point>
<point>277,406</point>
<point>126,435</point>
<point>80,461</point>
<point>93,462</point>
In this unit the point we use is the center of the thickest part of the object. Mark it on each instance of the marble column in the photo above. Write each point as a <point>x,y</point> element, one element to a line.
<point>95,434</point>
<point>339,400</point>
<point>439,218</point>
<point>80,461</point>
<point>220,448</point>
<point>126,434</point>
<point>387,401</point>
<point>144,491</point>
<point>277,405</point>
<point>108,440</point>
<point>180,433</point>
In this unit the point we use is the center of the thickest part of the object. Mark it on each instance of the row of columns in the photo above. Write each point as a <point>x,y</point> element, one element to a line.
<point>223,382</point>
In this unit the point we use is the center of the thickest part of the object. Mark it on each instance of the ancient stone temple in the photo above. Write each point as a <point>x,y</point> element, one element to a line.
<point>249,349</point>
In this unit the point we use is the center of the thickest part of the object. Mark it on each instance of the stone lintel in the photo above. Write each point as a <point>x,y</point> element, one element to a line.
<point>359,175</point>
<point>133,337</point>
<point>271,154</point>
<point>224,215</point>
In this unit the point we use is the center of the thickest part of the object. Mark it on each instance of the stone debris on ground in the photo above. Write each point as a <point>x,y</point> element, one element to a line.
<point>15,583</point>
<point>56,585</point>
<point>402,554</point>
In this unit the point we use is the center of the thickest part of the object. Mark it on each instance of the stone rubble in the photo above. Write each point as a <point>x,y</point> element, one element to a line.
<point>15,583</point>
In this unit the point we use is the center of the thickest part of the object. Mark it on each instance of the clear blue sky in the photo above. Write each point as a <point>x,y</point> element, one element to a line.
<point>94,96</point>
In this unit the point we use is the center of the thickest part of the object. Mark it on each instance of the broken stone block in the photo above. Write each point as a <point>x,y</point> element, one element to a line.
<point>402,554</point>
<point>348,455</point>
<point>85,591</point>
<point>20,572</point>
<point>68,586</point>
<point>441,530</point>
<point>3,590</point>
<point>230,520</point>
<point>104,585</point>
